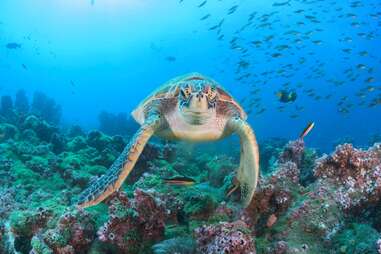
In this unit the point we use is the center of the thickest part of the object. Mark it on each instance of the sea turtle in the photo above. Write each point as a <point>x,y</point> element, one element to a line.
<point>191,107</point>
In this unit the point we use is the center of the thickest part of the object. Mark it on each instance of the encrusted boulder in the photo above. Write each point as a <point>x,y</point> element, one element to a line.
<point>133,224</point>
<point>354,174</point>
<point>232,238</point>
<point>74,233</point>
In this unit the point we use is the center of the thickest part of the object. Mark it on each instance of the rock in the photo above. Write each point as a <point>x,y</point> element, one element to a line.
<point>42,128</point>
<point>133,223</point>
<point>8,131</point>
<point>75,131</point>
<point>76,144</point>
<point>74,233</point>
<point>233,238</point>
<point>98,140</point>
<point>354,175</point>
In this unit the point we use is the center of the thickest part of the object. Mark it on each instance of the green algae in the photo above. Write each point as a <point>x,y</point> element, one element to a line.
<point>39,247</point>
<point>357,239</point>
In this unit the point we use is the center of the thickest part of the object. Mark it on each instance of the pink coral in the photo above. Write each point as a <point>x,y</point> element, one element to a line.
<point>273,195</point>
<point>293,152</point>
<point>232,238</point>
<point>74,233</point>
<point>354,173</point>
<point>133,222</point>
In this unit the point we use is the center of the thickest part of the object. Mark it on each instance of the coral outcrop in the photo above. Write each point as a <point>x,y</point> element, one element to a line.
<point>134,224</point>
<point>225,237</point>
<point>74,233</point>
<point>355,175</point>
<point>303,204</point>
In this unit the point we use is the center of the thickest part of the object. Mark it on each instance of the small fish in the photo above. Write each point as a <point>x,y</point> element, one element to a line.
<point>24,66</point>
<point>180,180</point>
<point>202,4</point>
<point>307,130</point>
<point>286,96</point>
<point>276,55</point>
<point>170,58</point>
<point>205,17</point>
<point>214,27</point>
<point>232,189</point>
<point>282,47</point>
<point>370,80</point>
<point>361,66</point>
<point>13,45</point>
<point>277,4</point>
<point>232,9</point>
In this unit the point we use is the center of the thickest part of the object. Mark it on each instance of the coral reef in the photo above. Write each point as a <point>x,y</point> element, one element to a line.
<point>133,224</point>
<point>74,233</point>
<point>24,225</point>
<point>303,204</point>
<point>46,108</point>
<point>21,102</point>
<point>6,106</point>
<point>225,237</point>
<point>357,238</point>
<point>354,174</point>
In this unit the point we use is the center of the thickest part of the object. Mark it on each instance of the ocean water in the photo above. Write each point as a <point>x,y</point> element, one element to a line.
<point>115,53</point>
<point>93,56</point>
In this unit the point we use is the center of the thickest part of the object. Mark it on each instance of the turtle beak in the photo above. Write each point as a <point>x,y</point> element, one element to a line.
<point>198,103</point>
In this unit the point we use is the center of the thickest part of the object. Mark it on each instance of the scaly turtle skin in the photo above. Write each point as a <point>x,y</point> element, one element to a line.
<point>190,107</point>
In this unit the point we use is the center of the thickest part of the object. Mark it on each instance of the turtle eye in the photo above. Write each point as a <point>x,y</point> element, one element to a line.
<point>186,91</point>
<point>211,93</point>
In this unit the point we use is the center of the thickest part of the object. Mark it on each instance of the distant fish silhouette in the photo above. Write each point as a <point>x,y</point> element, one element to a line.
<point>205,17</point>
<point>277,4</point>
<point>202,4</point>
<point>170,58</point>
<point>13,45</point>
<point>232,9</point>
<point>286,96</point>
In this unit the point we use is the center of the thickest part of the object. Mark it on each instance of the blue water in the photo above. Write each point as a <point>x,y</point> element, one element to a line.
<point>108,55</point>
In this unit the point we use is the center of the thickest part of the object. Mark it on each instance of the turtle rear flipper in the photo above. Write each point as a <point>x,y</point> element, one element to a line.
<point>248,171</point>
<point>113,179</point>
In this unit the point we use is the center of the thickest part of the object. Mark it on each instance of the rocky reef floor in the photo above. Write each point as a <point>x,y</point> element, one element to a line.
<point>305,202</point>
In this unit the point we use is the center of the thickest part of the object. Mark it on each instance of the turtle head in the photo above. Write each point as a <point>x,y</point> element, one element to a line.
<point>197,101</point>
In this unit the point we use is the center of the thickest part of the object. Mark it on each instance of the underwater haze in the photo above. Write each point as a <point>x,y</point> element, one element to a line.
<point>297,84</point>
<point>109,55</point>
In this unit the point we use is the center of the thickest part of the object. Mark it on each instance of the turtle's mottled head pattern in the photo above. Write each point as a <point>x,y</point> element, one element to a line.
<point>197,100</point>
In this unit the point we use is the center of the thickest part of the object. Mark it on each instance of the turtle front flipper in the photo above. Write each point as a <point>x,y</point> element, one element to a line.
<point>113,179</point>
<point>248,171</point>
